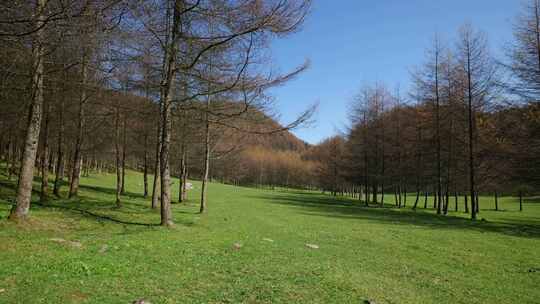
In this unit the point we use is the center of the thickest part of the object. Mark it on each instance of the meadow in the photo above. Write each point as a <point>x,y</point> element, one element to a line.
<point>256,246</point>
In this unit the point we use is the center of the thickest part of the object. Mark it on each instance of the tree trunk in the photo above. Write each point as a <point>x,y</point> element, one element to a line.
<point>206,161</point>
<point>10,154</point>
<point>76,173</point>
<point>124,146</point>
<point>118,157</point>
<point>156,184</point>
<point>520,200</point>
<point>45,156</point>
<point>404,197</point>
<point>183,176</point>
<point>471,136</point>
<point>24,189</point>
<point>496,201</point>
<point>167,96</point>
<point>145,170</point>
<point>417,198</point>
<point>477,203</point>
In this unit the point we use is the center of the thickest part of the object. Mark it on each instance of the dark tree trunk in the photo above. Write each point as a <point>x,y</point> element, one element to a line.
<point>417,198</point>
<point>156,184</point>
<point>520,200</point>
<point>45,156</point>
<point>206,165</point>
<point>145,164</point>
<point>118,164</point>
<point>77,159</point>
<point>24,188</point>
<point>471,136</point>
<point>476,203</point>
<point>183,176</point>
<point>496,201</point>
<point>124,148</point>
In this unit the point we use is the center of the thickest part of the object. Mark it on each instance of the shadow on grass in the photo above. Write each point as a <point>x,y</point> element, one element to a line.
<point>316,204</point>
<point>111,191</point>
<point>82,205</point>
<point>88,213</point>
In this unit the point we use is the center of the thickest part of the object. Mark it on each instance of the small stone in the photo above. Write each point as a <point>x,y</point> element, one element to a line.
<point>312,246</point>
<point>141,301</point>
<point>2,290</point>
<point>237,246</point>
<point>103,248</point>
<point>268,240</point>
<point>75,244</point>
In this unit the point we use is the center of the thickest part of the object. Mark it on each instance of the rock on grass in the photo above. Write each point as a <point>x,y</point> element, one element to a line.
<point>312,246</point>
<point>74,244</point>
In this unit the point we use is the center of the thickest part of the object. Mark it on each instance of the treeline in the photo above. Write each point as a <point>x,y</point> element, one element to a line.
<point>470,126</point>
<point>166,87</point>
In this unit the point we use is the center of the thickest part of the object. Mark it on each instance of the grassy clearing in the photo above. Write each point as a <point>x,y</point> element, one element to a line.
<point>378,254</point>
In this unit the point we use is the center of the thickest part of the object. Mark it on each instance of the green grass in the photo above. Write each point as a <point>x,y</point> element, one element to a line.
<point>383,255</point>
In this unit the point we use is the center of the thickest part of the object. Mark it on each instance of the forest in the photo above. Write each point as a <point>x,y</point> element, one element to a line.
<point>156,97</point>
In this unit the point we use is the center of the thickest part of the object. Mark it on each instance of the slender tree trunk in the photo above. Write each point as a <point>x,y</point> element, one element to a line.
<point>438,195</point>
<point>145,170</point>
<point>183,175</point>
<point>156,184</point>
<point>24,188</point>
<point>520,200</point>
<point>124,148</point>
<point>496,201</point>
<point>206,160</point>
<point>456,201</point>
<point>417,198</point>
<point>76,173</point>
<point>425,199</point>
<point>471,136</point>
<point>404,194</point>
<point>10,154</point>
<point>465,197</point>
<point>477,203</point>
<point>118,157</point>
<point>167,96</point>
<point>45,156</point>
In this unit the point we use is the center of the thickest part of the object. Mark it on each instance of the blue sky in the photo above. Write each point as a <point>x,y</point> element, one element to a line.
<point>353,42</point>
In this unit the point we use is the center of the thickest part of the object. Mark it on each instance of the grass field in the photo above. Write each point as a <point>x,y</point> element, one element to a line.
<point>86,251</point>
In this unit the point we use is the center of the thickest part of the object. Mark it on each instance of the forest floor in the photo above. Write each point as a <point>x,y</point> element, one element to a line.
<point>255,246</point>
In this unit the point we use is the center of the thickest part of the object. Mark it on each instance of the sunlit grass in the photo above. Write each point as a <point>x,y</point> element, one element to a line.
<point>382,255</point>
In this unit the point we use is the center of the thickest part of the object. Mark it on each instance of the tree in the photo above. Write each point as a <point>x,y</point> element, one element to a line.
<point>24,189</point>
<point>475,63</point>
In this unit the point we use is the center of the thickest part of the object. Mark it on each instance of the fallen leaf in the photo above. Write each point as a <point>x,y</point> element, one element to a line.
<point>312,246</point>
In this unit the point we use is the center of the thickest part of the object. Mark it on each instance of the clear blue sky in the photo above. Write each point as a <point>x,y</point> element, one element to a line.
<point>352,42</point>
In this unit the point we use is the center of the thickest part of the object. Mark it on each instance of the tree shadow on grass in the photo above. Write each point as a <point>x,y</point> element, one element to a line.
<point>345,208</point>
<point>98,209</point>
<point>111,191</point>
<point>91,214</point>
<point>82,205</point>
